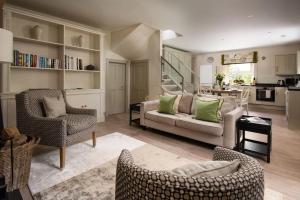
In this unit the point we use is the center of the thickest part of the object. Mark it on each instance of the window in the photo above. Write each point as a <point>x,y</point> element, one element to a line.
<point>243,72</point>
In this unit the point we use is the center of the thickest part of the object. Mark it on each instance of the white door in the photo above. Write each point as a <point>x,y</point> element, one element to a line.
<point>139,81</point>
<point>116,90</point>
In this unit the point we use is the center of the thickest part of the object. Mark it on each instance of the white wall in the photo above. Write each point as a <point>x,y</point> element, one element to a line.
<point>141,42</point>
<point>265,69</point>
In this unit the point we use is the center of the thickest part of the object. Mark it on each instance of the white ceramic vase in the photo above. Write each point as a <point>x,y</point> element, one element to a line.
<point>36,32</point>
<point>80,41</point>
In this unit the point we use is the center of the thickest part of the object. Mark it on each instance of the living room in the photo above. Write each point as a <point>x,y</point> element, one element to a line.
<point>149,99</point>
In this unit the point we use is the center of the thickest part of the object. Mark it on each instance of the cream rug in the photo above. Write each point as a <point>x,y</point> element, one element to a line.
<point>79,158</point>
<point>82,179</point>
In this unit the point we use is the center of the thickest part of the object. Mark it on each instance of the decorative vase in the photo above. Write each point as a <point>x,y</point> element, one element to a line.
<point>36,32</point>
<point>80,41</point>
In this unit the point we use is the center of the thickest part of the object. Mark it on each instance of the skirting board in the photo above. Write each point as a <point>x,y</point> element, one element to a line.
<point>268,107</point>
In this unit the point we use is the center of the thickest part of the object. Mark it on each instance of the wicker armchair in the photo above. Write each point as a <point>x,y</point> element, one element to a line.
<point>134,182</point>
<point>78,125</point>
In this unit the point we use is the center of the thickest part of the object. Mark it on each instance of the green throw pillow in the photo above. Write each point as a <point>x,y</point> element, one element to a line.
<point>207,110</point>
<point>166,104</point>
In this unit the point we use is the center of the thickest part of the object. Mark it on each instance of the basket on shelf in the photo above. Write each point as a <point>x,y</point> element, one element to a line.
<point>17,161</point>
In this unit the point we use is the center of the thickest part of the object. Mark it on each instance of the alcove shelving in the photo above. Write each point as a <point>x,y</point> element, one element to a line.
<point>67,50</point>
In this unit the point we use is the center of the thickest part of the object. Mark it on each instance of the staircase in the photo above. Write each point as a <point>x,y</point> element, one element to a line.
<point>174,76</point>
<point>171,79</point>
<point>168,85</point>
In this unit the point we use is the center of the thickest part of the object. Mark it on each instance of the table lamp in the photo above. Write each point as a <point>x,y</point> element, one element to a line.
<point>6,56</point>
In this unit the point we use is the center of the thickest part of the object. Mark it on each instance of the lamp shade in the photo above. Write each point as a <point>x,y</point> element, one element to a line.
<point>6,46</point>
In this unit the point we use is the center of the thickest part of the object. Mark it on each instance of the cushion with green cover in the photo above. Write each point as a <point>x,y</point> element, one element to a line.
<point>166,104</point>
<point>207,110</point>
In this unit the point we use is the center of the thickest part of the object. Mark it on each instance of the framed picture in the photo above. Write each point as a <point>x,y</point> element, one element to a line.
<point>239,58</point>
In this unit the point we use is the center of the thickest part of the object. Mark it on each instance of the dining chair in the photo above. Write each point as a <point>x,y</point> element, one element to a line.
<point>203,89</point>
<point>244,99</point>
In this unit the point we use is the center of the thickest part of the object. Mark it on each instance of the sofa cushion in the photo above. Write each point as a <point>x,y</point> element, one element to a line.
<point>77,123</point>
<point>166,104</point>
<point>177,100</point>
<point>200,126</point>
<point>207,169</point>
<point>208,110</point>
<point>154,115</point>
<point>185,103</point>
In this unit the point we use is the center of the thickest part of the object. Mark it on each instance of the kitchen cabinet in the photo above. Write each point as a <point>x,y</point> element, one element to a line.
<point>280,99</point>
<point>252,95</point>
<point>293,109</point>
<point>286,64</point>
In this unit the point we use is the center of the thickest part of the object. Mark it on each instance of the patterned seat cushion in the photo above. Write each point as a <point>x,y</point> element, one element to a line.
<point>77,123</point>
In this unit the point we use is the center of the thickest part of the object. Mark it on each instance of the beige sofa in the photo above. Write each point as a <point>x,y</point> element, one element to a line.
<point>221,134</point>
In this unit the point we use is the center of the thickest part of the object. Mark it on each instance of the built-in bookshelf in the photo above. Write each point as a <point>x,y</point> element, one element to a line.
<point>57,58</point>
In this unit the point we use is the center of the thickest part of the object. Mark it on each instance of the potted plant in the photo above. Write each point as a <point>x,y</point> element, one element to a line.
<point>219,78</point>
<point>239,81</point>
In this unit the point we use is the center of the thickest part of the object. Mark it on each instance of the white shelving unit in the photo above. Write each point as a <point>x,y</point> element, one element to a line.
<point>59,38</point>
<point>84,88</point>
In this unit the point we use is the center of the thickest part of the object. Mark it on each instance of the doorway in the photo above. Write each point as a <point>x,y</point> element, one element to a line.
<point>139,81</point>
<point>115,87</point>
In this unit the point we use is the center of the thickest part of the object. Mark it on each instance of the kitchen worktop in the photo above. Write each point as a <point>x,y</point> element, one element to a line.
<point>266,85</point>
<point>293,88</point>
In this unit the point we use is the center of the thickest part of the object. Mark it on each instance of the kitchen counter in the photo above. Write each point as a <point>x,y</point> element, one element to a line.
<point>294,88</point>
<point>265,85</point>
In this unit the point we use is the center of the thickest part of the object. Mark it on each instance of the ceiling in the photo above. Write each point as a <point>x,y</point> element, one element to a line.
<point>206,25</point>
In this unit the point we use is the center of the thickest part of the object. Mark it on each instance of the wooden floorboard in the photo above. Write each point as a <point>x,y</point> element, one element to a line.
<point>282,175</point>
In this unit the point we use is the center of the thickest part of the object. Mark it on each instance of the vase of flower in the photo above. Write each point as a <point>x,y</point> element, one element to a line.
<point>219,79</point>
<point>36,32</point>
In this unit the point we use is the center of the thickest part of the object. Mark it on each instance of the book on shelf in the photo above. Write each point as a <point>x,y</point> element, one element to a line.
<point>73,63</point>
<point>34,61</point>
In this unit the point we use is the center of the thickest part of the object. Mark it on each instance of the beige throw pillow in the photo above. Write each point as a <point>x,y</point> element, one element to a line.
<point>177,100</point>
<point>185,103</point>
<point>207,169</point>
<point>54,106</point>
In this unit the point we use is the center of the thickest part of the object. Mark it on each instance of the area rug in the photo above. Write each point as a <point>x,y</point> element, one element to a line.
<point>99,182</point>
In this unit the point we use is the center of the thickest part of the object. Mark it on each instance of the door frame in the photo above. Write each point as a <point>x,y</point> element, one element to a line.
<point>126,96</point>
<point>148,72</point>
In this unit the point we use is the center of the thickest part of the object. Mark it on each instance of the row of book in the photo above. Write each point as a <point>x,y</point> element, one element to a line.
<point>30,60</point>
<point>73,63</point>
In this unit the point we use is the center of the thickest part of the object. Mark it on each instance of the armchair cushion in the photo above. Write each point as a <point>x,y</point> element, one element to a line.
<point>78,122</point>
<point>207,169</point>
<point>54,106</point>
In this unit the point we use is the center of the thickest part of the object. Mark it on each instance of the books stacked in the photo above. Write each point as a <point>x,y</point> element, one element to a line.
<point>73,63</point>
<point>30,60</point>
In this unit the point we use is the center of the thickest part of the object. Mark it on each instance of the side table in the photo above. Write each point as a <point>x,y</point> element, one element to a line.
<point>134,109</point>
<point>249,145</point>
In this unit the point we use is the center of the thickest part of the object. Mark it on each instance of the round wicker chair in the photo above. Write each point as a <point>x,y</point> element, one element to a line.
<point>134,182</point>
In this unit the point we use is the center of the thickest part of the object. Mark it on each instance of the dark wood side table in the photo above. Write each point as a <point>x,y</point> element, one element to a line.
<point>134,109</point>
<point>248,145</point>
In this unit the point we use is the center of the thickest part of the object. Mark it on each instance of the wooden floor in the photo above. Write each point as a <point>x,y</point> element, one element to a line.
<point>282,175</point>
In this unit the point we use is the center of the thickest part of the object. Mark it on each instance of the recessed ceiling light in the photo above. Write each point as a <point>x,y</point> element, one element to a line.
<point>283,36</point>
<point>269,32</point>
<point>250,16</point>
